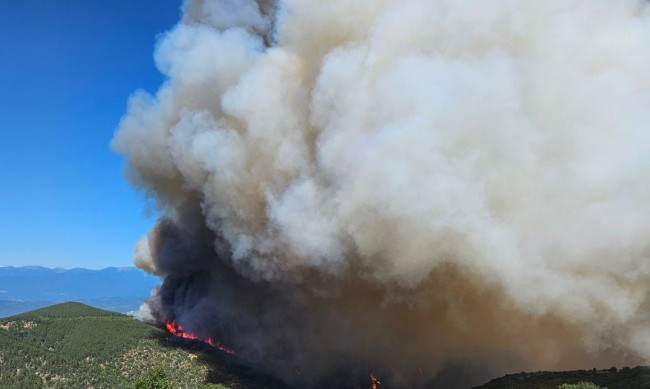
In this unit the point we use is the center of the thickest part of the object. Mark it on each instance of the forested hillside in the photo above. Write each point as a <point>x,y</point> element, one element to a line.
<point>72,345</point>
<point>613,378</point>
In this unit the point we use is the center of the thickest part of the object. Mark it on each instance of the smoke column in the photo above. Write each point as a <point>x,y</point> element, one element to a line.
<point>435,191</point>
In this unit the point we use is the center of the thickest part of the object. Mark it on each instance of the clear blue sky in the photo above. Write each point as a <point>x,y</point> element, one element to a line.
<point>67,68</point>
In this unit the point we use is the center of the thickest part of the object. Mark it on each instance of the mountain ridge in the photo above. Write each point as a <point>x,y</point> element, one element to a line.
<point>119,289</point>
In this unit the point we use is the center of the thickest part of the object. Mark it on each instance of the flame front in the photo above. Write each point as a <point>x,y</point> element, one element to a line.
<point>374,381</point>
<point>177,330</point>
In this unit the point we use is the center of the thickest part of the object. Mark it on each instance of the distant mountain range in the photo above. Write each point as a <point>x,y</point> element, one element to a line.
<point>117,289</point>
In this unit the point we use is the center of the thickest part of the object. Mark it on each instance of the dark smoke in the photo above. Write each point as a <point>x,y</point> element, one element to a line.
<point>434,191</point>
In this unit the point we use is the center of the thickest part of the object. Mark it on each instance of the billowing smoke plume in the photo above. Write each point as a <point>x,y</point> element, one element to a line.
<point>410,187</point>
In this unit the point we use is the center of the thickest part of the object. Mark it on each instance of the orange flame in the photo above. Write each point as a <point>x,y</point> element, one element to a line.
<point>375,383</point>
<point>177,329</point>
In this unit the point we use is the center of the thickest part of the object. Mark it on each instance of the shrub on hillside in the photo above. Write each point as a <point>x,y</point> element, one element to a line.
<point>156,378</point>
<point>580,385</point>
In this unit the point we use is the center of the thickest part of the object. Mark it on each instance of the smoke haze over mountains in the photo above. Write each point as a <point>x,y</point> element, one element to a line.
<point>115,289</point>
<point>406,187</point>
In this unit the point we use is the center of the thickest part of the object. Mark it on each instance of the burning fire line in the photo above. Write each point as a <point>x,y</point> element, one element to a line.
<point>375,383</point>
<point>177,330</point>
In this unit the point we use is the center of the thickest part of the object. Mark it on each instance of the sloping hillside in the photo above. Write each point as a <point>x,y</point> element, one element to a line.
<point>72,345</point>
<point>625,378</point>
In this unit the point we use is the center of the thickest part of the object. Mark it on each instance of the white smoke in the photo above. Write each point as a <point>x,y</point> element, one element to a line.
<point>392,143</point>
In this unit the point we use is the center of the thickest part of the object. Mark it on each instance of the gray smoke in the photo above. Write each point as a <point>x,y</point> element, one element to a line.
<point>401,186</point>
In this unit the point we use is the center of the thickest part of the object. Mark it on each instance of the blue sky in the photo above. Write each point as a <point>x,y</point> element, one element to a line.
<point>66,70</point>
